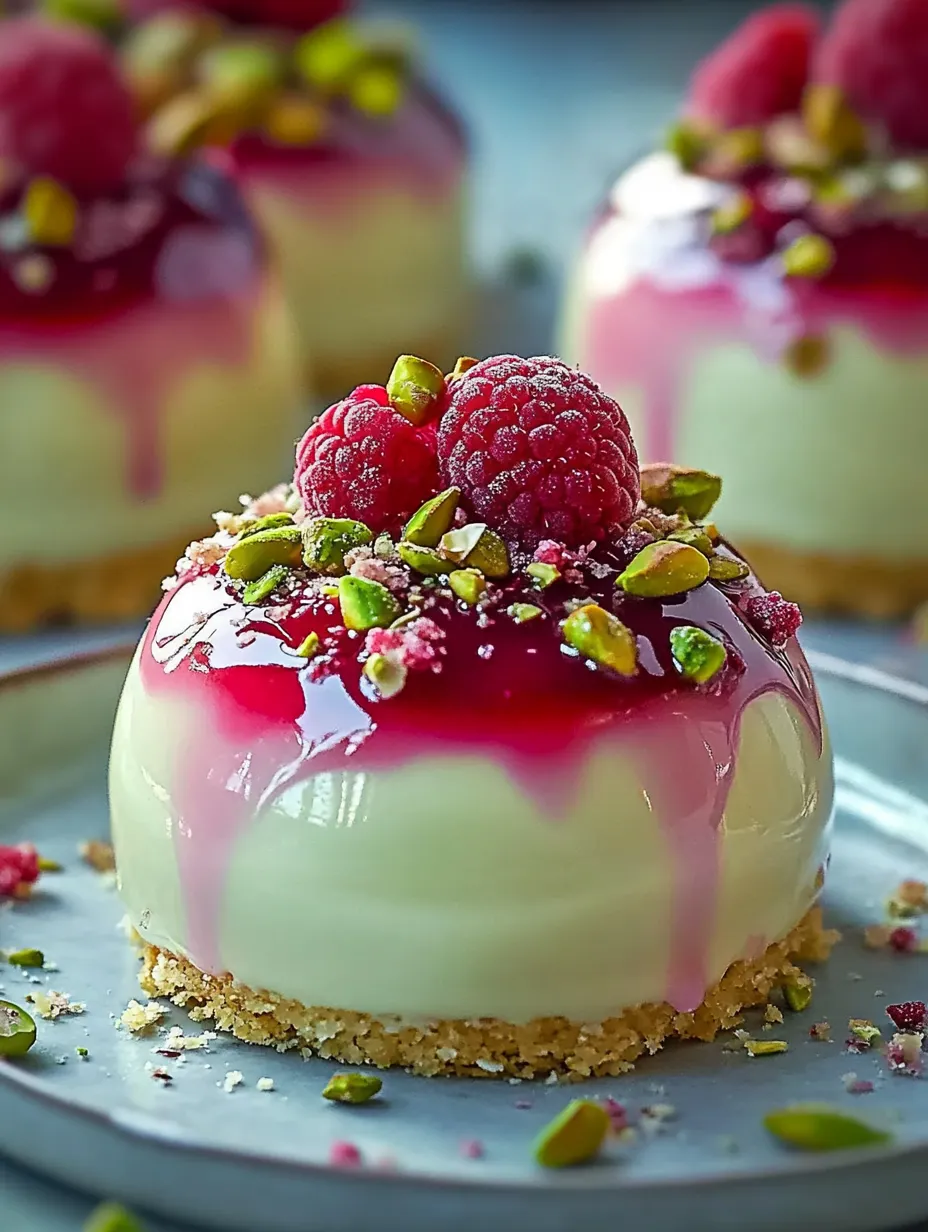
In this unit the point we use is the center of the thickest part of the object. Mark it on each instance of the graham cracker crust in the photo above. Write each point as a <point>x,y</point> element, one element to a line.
<point>857,585</point>
<point>121,586</point>
<point>486,1047</point>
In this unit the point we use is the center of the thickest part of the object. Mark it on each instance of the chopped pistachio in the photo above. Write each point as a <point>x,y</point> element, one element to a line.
<point>183,122</point>
<point>384,546</point>
<point>462,364</point>
<point>388,676</point>
<point>253,556</point>
<point>241,74</point>
<point>82,1052</point>
<point>377,89</point>
<point>110,1217</point>
<point>738,147</point>
<point>697,654</point>
<point>366,604</point>
<point>326,542</point>
<point>808,256</point>
<point>99,14</point>
<point>663,569</point>
<point>415,389</point>
<point>424,560</point>
<point>294,120</point>
<point>477,547</point>
<point>49,866</point>
<point>309,647</point>
<point>17,1030</point>
<point>830,119</point>
<point>865,1031</point>
<point>468,584</point>
<point>523,612</point>
<point>816,1127</point>
<point>433,519</point>
<point>575,1135</point>
<point>258,590</point>
<point>270,522</point>
<point>798,995</point>
<point>600,636</point>
<point>542,575</point>
<point>727,569</point>
<point>732,214</point>
<point>328,55</point>
<point>50,211</point>
<point>353,1088</point>
<point>808,355</point>
<point>672,488</point>
<point>686,143</point>
<point>696,537</point>
<point>765,1048</point>
<point>26,958</point>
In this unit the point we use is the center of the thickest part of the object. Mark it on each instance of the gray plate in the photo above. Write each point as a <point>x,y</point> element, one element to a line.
<point>255,1161</point>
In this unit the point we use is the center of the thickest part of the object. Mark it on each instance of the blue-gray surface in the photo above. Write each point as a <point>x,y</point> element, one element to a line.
<point>558,95</point>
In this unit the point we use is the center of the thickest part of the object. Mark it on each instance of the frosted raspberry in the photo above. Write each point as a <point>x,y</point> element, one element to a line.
<point>877,52</point>
<point>19,869</point>
<point>64,108</point>
<point>908,1015</point>
<point>773,617</point>
<point>539,451</point>
<point>361,459</point>
<point>759,72</point>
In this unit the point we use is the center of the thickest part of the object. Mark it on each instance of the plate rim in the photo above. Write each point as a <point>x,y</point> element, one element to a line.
<point>794,1166</point>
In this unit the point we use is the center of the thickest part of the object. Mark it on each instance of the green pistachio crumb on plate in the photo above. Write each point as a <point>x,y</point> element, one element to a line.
<point>765,1048</point>
<point>817,1127</point>
<point>468,584</point>
<point>259,590</point>
<point>697,654</point>
<point>575,1135</point>
<point>433,519</point>
<point>797,995</point>
<point>523,612</point>
<point>542,575</point>
<point>354,1088</point>
<point>111,1217</point>
<point>17,1030</point>
<point>26,958</point>
<point>366,604</point>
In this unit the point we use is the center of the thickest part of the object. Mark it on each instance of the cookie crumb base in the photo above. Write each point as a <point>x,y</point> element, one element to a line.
<point>482,1048</point>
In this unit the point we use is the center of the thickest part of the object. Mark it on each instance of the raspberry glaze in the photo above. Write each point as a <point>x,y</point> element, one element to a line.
<point>508,692</point>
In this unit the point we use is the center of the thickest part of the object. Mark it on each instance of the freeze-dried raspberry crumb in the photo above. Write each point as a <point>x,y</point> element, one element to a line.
<point>908,1015</point>
<point>903,940</point>
<point>362,459</point>
<point>19,870</point>
<point>416,646</point>
<point>628,547</point>
<point>759,72</point>
<point>539,452</point>
<point>344,1155</point>
<point>904,1053</point>
<point>774,617</point>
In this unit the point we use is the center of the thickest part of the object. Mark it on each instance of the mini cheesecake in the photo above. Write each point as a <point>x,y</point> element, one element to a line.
<point>756,296</point>
<point>354,166</point>
<point>427,791</point>
<point>140,327</point>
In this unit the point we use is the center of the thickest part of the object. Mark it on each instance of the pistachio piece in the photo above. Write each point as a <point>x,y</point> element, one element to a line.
<point>242,75</point>
<point>830,119</point>
<point>797,995</point>
<point>865,1031</point>
<point>426,561</point>
<point>326,542</point>
<point>816,1127</point>
<point>294,120</point>
<point>521,613</point>
<point>478,547</point>
<point>727,569</point>
<point>542,575</point>
<point>765,1048</point>
<point>257,591</point>
<point>807,355</point>
<point>100,14</point>
<point>110,1217</point>
<point>695,537</point>
<point>686,143</point>
<point>671,488</point>
<point>462,364</point>
<point>575,1135</point>
<point>250,558</point>
<point>697,654</point>
<point>376,89</point>
<point>433,519</point>
<point>468,584</point>
<point>600,636</point>
<point>183,123</point>
<point>49,866</point>
<point>415,388</point>
<point>387,676</point>
<point>808,256</point>
<point>366,604</point>
<point>732,214</point>
<point>663,569</point>
<point>328,55</point>
<point>738,147</point>
<point>352,1088</point>
<point>158,55</point>
<point>384,546</point>
<point>309,647</point>
<point>17,1030</point>
<point>269,522</point>
<point>50,212</point>
<point>26,958</point>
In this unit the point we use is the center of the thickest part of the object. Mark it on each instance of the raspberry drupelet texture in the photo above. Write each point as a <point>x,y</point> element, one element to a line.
<point>65,111</point>
<point>362,459</point>
<point>773,616</point>
<point>908,1015</point>
<point>19,869</point>
<point>759,72</point>
<point>876,51</point>
<point>539,452</point>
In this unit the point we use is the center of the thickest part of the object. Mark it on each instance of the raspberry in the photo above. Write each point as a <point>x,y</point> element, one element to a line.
<point>773,617</point>
<point>877,52</point>
<point>759,72</point>
<point>64,109</point>
<point>361,459</point>
<point>908,1015</point>
<point>19,869</point>
<point>903,940</point>
<point>539,451</point>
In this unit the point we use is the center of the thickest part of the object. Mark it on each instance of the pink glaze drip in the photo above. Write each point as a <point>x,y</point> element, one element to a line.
<point>268,721</point>
<point>685,297</point>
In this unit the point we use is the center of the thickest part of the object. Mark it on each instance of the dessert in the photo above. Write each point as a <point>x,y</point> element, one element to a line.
<point>139,330</point>
<point>756,297</point>
<point>354,166</point>
<point>482,754</point>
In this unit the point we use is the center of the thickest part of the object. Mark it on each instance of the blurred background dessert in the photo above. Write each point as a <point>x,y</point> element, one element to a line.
<point>756,297</point>
<point>147,366</point>
<point>353,164</point>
